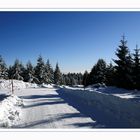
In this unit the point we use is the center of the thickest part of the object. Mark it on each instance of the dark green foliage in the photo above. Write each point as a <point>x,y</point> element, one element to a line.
<point>40,71</point>
<point>97,74</point>
<point>10,72</point>
<point>124,66</point>
<point>72,79</point>
<point>16,70</point>
<point>136,68</point>
<point>110,75</point>
<point>80,78</point>
<point>30,73</point>
<point>85,79</point>
<point>49,73</point>
<point>57,76</point>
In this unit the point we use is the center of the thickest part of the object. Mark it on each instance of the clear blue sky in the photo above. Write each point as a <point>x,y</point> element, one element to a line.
<point>76,40</point>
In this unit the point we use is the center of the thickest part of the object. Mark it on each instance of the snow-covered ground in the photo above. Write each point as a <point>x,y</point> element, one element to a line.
<point>45,108</point>
<point>50,106</point>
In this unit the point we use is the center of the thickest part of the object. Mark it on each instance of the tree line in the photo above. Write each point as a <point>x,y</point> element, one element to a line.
<point>125,72</point>
<point>42,72</point>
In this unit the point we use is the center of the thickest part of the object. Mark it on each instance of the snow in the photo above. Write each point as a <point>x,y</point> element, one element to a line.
<point>10,111</point>
<point>133,95</point>
<point>118,112</point>
<point>6,85</point>
<point>110,90</point>
<point>47,85</point>
<point>73,88</point>
<point>51,106</point>
<point>10,105</point>
<point>46,108</point>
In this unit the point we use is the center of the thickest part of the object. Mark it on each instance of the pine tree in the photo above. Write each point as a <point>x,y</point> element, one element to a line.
<point>80,78</point>
<point>136,68</point>
<point>17,70</point>
<point>123,66</point>
<point>40,71</point>
<point>3,69</point>
<point>23,71</point>
<point>10,72</point>
<point>66,79</point>
<point>97,74</point>
<point>30,72</point>
<point>57,75</point>
<point>85,79</point>
<point>63,79</point>
<point>110,75</point>
<point>49,73</point>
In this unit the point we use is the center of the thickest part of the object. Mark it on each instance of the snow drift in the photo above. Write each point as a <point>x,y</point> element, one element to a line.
<point>6,85</point>
<point>123,112</point>
<point>10,104</point>
<point>10,111</point>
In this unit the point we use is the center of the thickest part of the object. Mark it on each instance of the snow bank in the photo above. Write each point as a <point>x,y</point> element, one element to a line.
<point>119,92</point>
<point>47,85</point>
<point>10,111</point>
<point>10,104</point>
<point>113,90</point>
<point>119,110</point>
<point>6,85</point>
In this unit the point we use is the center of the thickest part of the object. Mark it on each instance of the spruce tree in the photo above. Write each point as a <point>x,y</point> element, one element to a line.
<point>3,69</point>
<point>49,73</point>
<point>110,75</point>
<point>17,70</point>
<point>136,68</point>
<point>23,71</point>
<point>79,78</point>
<point>40,70</point>
<point>123,66</point>
<point>63,79</point>
<point>67,79</point>
<point>10,72</point>
<point>85,79</point>
<point>97,74</point>
<point>30,73</point>
<point>57,75</point>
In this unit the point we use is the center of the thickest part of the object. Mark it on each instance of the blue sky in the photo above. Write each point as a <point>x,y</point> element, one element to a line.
<point>76,40</point>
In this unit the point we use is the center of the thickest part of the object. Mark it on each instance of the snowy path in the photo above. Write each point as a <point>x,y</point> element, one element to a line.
<point>44,108</point>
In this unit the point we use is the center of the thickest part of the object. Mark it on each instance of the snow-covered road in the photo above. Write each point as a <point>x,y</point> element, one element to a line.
<point>44,108</point>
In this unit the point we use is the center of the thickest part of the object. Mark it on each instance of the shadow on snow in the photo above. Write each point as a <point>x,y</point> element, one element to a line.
<point>3,96</point>
<point>51,120</point>
<point>102,119</point>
